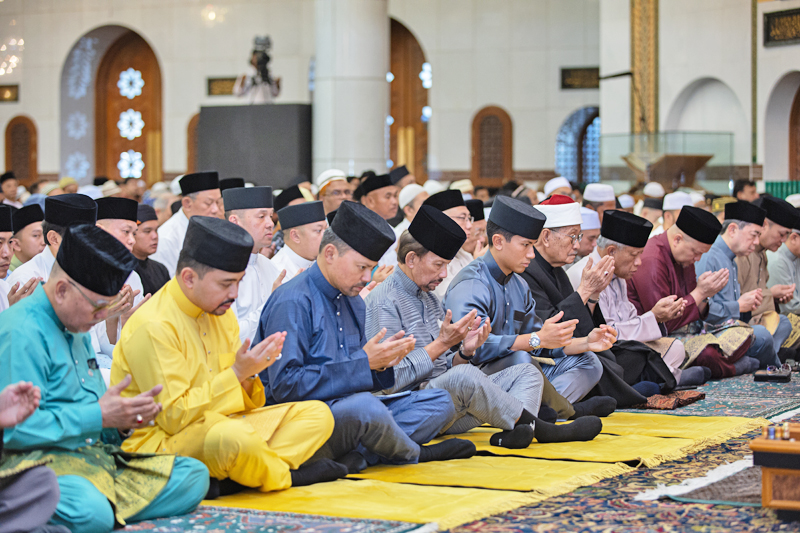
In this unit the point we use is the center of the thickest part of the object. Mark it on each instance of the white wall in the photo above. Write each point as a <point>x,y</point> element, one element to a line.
<point>507,53</point>
<point>615,57</point>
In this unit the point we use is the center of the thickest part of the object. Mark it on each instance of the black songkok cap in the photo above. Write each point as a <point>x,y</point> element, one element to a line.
<point>626,228</point>
<point>286,196</point>
<point>699,224</point>
<point>301,214</point>
<point>398,174</point>
<point>175,206</point>
<point>95,259</point>
<point>476,209</point>
<point>363,230</point>
<point>67,209</point>
<point>746,212</point>
<point>218,244</point>
<point>6,218</point>
<point>199,181</point>
<point>779,211</point>
<point>445,200</point>
<point>7,176</point>
<point>517,217</point>
<point>249,198</point>
<point>26,215</point>
<point>120,208</point>
<point>373,183</point>
<point>330,216</point>
<point>653,203</point>
<point>231,183</point>
<point>145,213</point>
<point>99,180</point>
<point>437,232</point>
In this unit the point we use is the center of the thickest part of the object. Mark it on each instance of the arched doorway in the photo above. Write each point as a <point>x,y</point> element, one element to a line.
<point>128,111</point>
<point>578,146</point>
<point>408,123</point>
<point>492,147</point>
<point>21,154</point>
<point>781,142</point>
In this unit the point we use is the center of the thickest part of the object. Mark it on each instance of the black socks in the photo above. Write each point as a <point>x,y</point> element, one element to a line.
<point>354,461</point>
<point>547,413</point>
<point>585,428</point>
<point>222,487</point>
<point>596,406</point>
<point>318,472</point>
<point>448,449</point>
<point>516,439</point>
<point>693,376</point>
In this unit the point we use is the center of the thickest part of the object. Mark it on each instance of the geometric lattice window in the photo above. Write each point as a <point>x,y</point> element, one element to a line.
<point>492,148</point>
<point>20,144</point>
<point>578,146</point>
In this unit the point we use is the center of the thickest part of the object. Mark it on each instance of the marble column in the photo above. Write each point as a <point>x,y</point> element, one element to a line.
<point>351,94</point>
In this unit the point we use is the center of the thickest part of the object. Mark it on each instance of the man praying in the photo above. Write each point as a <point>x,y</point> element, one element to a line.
<point>303,226</point>
<point>28,235</point>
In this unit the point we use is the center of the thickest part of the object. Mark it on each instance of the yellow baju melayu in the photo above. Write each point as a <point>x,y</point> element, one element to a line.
<point>207,413</point>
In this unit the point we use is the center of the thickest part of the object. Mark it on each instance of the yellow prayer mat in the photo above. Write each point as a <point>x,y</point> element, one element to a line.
<point>546,478</point>
<point>371,499</point>
<point>702,429</point>
<point>638,449</point>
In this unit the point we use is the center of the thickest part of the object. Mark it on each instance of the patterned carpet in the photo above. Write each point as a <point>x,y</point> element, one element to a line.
<point>608,506</point>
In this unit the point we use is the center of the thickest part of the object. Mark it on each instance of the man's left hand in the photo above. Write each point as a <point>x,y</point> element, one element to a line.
<point>601,338</point>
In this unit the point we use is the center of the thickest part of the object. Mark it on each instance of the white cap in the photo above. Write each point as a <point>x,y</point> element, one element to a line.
<point>677,200</point>
<point>328,176</point>
<point>110,188</point>
<point>408,194</point>
<point>175,185</point>
<point>159,187</point>
<point>654,190</point>
<point>556,183</point>
<point>91,191</point>
<point>590,218</point>
<point>433,186</point>
<point>249,185</point>
<point>626,201</point>
<point>697,197</point>
<point>599,192</point>
<point>465,186</point>
<point>560,215</point>
<point>794,199</point>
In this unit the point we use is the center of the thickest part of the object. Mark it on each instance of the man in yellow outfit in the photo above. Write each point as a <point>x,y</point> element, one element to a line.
<point>187,339</point>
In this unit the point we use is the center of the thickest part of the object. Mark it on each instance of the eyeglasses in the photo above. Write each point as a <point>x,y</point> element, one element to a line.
<point>99,305</point>
<point>347,193</point>
<point>462,219</point>
<point>574,238</point>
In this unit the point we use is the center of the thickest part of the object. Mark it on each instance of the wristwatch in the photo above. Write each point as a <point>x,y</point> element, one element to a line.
<point>534,341</point>
<point>464,357</point>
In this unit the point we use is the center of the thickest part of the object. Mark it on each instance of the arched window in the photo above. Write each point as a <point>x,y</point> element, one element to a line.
<point>191,143</point>
<point>578,146</point>
<point>21,149</point>
<point>492,147</point>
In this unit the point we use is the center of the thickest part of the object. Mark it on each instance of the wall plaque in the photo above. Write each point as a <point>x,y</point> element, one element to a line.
<point>9,93</point>
<point>782,27</point>
<point>580,78</point>
<point>220,86</point>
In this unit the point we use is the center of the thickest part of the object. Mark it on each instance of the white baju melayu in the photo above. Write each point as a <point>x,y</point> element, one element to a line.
<point>4,290</point>
<point>170,241</point>
<point>39,266</point>
<point>254,290</point>
<point>462,259</point>
<point>621,314</point>
<point>288,260</point>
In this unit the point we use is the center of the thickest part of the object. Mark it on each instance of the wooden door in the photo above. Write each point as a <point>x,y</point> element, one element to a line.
<point>408,134</point>
<point>21,154</point>
<point>128,111</point>
<point>492,147</point>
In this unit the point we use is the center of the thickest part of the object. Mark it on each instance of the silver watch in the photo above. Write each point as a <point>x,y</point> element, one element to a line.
<point>534,341</point>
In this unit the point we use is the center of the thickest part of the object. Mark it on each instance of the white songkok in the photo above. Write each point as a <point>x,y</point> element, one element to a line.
<point>556,183</point>
<point>654,190</point>
<point>599,192</point>
<point>626,201</point>
<point>677,200</point>
<point>697,197</point>
<point>590,218</point>
<point>328,176</point>
<point>794,199</point>
<point>175,185</point>
<point>465,186</point>
<point>408,194</point>
<point>433,186</point>
<point>559,212</point>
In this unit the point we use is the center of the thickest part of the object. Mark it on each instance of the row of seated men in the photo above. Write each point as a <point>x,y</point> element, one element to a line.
<point>334,373</point>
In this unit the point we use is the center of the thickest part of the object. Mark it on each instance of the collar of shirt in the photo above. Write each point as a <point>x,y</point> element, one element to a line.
<point>252,260</point>
<point>406,283</point>
<point>722,247</point>
<point>494,269</point>
<point>295,258</point>
<point>324,286</point>
<point>547,267</point>
<point>785,252</point>
<point>183,302</point>
<point>39,299</point>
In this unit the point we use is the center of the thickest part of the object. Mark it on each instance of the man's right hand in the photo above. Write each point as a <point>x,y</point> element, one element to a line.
<point>668,308</point>
<point>555,334</point>
<point>251,361</point>
<point>382,355</point>
<point>451,333</point>
<point>18,292</point>
<point>125,413</point>
<point>750,301</point>
<point>595,278</point>
<point>710,283</point>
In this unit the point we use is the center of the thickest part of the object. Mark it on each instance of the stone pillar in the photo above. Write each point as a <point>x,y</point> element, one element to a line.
<point>351,95</point>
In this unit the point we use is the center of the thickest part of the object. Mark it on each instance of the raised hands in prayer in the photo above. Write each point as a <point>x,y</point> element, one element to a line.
<point>251,361</point>
<point>750,301</point>
<point>129,313</point>
<point>451,333</point>
<point>126,413</point>
<point>668,308</point>
<point>595,278</point>
<point>381,273</point>
<point>601,338</point>
<point>368,289</point>
<point>710,283</point>
<point>555,334</point>
<point>123,303</point>
<point>279,279</point>
<point>18,401</point>
<point>382,355</point>
<point>476,336</point>
<point>782,293</point>
<point>18,292</point>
